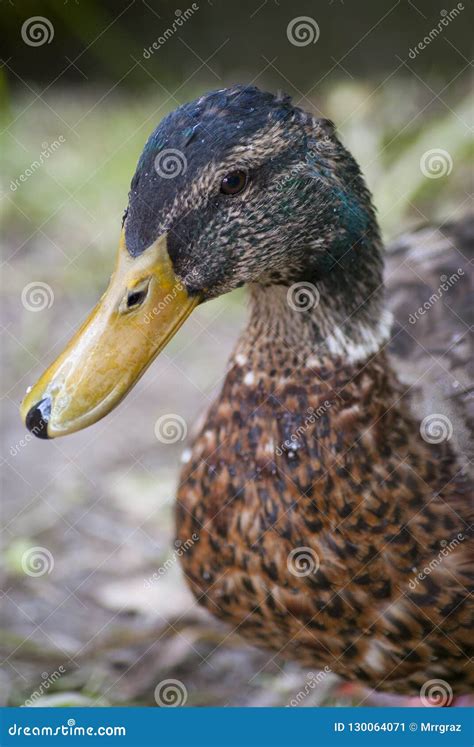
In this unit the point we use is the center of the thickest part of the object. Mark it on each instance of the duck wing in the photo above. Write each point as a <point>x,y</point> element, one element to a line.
<point>430,283</point>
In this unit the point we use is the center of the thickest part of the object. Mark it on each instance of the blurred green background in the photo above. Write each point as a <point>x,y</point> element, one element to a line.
<point>101,501</point>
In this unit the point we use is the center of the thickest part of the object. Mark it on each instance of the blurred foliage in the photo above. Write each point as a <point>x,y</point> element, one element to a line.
<point>104,38</point>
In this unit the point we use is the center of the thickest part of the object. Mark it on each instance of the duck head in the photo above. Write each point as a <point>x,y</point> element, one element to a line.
<point>237,187</point>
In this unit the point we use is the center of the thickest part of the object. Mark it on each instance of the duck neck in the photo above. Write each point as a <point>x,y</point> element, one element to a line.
<point>340,318</point>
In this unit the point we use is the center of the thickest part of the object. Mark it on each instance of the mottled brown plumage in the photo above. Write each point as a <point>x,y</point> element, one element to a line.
<point>317,501</point>
<point>371,499</point>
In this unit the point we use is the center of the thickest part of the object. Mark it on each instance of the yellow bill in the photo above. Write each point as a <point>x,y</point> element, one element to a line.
<point>141,310</point>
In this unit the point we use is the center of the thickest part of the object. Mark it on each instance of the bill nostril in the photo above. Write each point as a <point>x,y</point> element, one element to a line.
<point>37,418</point>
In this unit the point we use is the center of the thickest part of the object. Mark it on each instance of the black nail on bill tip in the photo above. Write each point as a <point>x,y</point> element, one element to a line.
<point>37,418</point>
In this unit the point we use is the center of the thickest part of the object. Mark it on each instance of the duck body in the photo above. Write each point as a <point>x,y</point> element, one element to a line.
<point>329,530</point>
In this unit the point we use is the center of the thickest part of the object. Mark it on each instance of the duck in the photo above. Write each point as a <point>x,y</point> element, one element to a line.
<point>327,490</point>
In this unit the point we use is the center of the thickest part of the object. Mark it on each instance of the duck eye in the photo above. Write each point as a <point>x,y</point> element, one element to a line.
<point>233,183</point>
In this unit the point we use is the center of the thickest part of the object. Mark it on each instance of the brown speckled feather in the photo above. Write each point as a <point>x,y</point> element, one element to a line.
<point>311,452</point>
